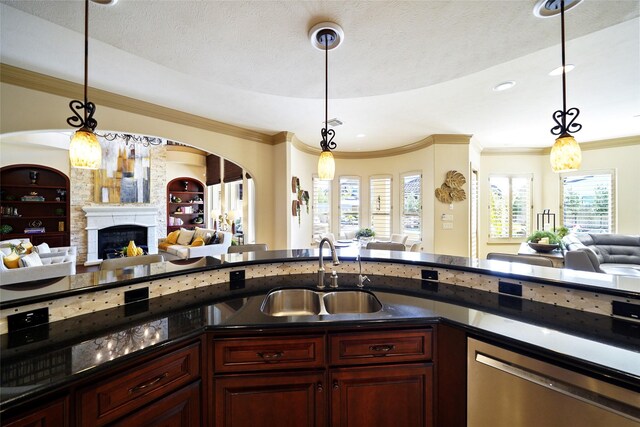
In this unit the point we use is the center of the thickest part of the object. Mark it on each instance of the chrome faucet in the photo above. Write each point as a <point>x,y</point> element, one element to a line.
<point>336,261</point>
<point>361,277</point>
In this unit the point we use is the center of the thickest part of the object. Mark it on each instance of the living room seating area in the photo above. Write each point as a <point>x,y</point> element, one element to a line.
<point>603,253</point>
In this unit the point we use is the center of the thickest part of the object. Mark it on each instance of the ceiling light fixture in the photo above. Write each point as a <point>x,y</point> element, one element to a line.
<point>565,153</point>
<point>84,151</point>
<point>558,71</point>
<point>328,36</point>
<point>504,86</point>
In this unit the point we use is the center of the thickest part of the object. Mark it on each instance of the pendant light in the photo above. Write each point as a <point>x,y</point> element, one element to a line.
<point>565,153</point>
<point>328,36</point>
<point>84,151</point>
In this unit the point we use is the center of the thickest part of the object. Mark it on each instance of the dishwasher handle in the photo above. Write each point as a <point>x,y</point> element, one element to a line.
<point>582,394</point>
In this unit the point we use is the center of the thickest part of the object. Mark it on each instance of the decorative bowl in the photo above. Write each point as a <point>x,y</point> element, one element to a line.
<point>541,247</point>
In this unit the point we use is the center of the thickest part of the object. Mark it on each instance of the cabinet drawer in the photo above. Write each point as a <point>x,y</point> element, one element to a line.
<point>246,354</point>
<point>129,390</point>
<point>380,347</point>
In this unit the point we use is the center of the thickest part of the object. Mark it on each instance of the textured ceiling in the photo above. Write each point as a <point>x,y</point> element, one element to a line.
<point>406,69</point>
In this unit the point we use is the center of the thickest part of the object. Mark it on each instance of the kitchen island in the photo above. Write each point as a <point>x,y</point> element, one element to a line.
<point>431,303</point>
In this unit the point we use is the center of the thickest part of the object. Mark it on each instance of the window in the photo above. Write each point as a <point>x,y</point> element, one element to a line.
<point>509,206</point>
<point>321,207</point>
<point>411,220</point>
<point>588,202</point>
<point>349,205</point>
<point>380,189</point>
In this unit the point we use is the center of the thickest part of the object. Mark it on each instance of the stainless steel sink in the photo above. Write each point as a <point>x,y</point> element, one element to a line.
<point>351,302</point>
<point>291,302</point>
<point>306,302</point>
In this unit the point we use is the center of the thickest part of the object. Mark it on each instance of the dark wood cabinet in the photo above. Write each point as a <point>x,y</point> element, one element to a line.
<point>291,399</point>
<point>34,204</point>
<point>185,204</point>
<point>54,414</point>
<point>381,396</point>
<point>178,409</point>
<point>119,395</point>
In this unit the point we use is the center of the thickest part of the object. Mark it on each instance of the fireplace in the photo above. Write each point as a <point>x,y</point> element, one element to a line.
<point>111,240</point>
<point>119,224</point>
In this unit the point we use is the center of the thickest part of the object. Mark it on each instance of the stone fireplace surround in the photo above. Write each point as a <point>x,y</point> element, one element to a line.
<point>99,217</point>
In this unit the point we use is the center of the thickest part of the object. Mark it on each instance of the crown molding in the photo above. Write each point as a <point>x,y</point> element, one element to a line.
<point>626,141</point>
<point>355,155</point>
<point>44,83</point>
<point>185,149</point>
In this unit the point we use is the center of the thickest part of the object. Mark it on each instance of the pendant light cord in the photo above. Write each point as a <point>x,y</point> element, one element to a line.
<point>86,54</point>
<point>564,68</point>
<point>326,81</point>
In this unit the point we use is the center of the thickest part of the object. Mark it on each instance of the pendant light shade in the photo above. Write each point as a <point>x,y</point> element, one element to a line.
<point>565,154</point>
<point>85,151</point>
<point>326,166</point>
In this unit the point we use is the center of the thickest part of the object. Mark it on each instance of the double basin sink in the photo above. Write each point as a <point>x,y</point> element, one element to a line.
<point>307,302</point>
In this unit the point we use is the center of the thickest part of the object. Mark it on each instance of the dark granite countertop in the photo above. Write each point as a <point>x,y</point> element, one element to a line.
<point>44,290</point>
<point>40,359</point>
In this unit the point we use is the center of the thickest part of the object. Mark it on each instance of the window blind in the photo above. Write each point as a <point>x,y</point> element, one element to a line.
<point>380,190</point>
<point>509,206</point>
<point>411,220</point>
<point>588,202</point>
<point>321,207</point>
<point>349,204</point>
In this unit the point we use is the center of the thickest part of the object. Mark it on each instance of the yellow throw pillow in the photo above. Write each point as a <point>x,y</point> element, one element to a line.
<point>12,260</point>
<point>164,245</point>
<point>198,241</point>
<point>172,238</point>
<point>28,247</point>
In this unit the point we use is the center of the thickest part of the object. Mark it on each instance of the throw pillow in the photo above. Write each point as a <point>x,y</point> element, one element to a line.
<point>204,233</point>
<point>216,239</point>
<point>172,237</point>
<point>28,247</point>
<point>43,248</point>
<point>185,236</point>
<point>30,260</point>
<point>198,241</point>
<point>12,260</point>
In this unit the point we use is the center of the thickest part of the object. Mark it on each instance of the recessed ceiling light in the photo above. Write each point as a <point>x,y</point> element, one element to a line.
<point>549,8</point>
<point>558,71</point>
<point>504,86</point>
<point>360,135</point>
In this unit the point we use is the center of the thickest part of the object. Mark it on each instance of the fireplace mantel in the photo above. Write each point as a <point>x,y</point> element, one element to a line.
<point>99,217</point>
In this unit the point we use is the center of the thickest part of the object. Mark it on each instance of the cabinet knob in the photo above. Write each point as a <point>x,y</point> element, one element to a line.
<point>320,388</point>
<point>336,385</point>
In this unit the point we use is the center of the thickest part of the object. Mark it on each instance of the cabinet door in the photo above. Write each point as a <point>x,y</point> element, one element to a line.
<point>179,409</point>
<point>267,400</point>
<point>382,396</point>
<point>52,415</point>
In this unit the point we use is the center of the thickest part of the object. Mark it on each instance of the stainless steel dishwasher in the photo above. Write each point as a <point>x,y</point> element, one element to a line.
<point>507,389</point>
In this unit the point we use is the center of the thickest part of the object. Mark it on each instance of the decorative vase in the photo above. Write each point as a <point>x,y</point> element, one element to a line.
<point>364,240</point>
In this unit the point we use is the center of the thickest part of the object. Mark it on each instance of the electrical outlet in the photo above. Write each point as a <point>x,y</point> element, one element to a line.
<point>447,226</point>
<point>446,217</point>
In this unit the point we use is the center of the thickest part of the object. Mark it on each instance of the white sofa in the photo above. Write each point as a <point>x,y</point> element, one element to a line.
<point>186,251</point>
<point>52,267</point>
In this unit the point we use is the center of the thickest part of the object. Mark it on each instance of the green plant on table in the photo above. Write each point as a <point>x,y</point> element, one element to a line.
<point>365,232</point>
<point>537,235</point>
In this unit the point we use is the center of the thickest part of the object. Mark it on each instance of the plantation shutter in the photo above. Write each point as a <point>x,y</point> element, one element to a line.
<point>588,202</point>
<point>380,190</point>
<point>349,204</point>
<point>509,206</point>
<point>321,207</point>
<point>411,220</point>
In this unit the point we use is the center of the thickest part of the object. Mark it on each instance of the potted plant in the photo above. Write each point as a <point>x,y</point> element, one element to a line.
<point>365,235</point>
<point>544,241</point>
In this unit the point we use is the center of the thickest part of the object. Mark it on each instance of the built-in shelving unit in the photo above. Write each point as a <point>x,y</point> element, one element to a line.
<point>34,203</point>
<point>185,203</point>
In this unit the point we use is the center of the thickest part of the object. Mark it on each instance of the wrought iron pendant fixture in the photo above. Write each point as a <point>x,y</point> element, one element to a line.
<point>84,151</point>
<point>328,36</point>
<point>565,153</point>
